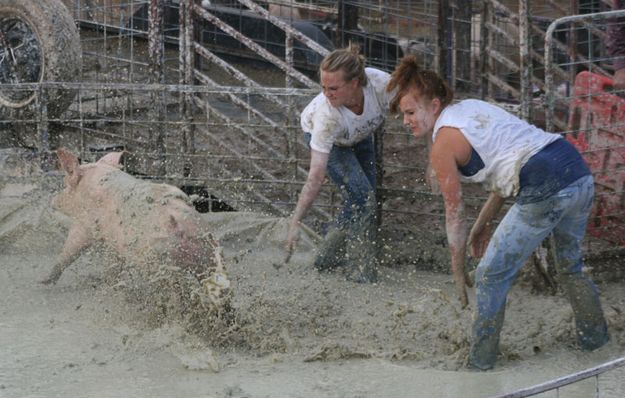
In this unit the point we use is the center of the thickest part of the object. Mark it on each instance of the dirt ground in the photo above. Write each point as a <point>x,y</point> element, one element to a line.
<point>296,332</point>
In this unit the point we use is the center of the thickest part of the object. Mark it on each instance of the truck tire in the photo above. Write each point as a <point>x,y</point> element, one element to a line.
<point>38,42</point>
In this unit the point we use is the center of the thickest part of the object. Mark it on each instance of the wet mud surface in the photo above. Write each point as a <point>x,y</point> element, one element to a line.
<point>100,331</point>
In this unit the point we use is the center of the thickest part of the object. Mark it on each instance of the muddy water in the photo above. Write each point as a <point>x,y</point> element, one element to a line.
<point>66,342</point>
<point>297,333</point>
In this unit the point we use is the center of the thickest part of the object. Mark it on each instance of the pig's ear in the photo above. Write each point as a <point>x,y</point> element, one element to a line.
<point>112,159</point>
<point>69,164</point>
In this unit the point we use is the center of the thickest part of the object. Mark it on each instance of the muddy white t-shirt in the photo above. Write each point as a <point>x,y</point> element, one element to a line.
<point>503,141</point>
<point>330,126</point>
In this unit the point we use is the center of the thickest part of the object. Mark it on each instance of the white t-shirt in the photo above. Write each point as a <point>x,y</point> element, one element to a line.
<point>503,141</point>
<point>339,126</point>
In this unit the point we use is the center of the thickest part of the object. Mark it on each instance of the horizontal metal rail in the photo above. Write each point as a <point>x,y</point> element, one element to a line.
<point>179,88</point>
<point>565,380</point>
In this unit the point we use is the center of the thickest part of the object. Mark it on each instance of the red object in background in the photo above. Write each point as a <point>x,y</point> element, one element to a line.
<point>597,128</point>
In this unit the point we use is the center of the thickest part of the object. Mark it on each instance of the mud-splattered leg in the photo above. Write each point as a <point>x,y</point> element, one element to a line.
<point>77,240</point>
<point>591,326</point>
<point>522,229</point>
<point>353,170</point>
<point>362,249</point>
<point>330,253</point>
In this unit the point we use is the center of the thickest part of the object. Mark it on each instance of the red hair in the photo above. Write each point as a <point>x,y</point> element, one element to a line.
<point>408,75</point>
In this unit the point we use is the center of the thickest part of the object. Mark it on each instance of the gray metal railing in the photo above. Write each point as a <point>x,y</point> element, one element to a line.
<point>556,384</point>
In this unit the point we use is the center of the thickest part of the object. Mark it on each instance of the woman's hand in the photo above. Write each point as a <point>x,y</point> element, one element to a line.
<point>461,289</point>
<point>481,231</point>
<point>478,239</point>
<point>291,238</point>
<point>310,190</point>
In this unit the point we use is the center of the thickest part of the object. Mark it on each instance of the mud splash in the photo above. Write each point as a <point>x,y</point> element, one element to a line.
<point>107,329</point>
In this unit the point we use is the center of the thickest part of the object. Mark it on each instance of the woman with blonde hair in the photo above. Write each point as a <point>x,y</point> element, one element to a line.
<point>474,141</point>
<point>339,125</point>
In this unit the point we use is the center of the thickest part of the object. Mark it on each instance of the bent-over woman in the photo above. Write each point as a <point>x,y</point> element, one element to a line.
<point>474,141</point>
<point>339,125</point>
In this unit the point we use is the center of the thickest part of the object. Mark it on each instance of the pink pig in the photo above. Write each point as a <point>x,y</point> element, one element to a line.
<point>145,223</point>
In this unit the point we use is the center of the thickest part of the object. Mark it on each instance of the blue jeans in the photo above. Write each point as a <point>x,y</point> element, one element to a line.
<point>521,231</point>
<point>353,241</point>
<point>352,170</point>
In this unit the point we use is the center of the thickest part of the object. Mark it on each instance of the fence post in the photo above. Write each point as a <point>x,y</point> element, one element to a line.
<point>187,63</point>
<point>441,55</point>
<point>484,37</point>
<point>347,21</point>
<point>525,40</point>
<point>462,43</point>
<point>43,130</point>
<point>155,49</point>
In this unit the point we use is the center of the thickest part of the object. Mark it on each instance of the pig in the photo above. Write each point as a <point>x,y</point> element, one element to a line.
<point>145,223</point>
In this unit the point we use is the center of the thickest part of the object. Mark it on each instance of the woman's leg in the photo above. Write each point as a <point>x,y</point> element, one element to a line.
<point>352,177</point>
<point>591,326</point>
<point>352,240</point>
<point>350,169</point>
<point>522,229</point>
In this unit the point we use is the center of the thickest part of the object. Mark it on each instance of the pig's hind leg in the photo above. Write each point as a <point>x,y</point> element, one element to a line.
<point>78,239</point>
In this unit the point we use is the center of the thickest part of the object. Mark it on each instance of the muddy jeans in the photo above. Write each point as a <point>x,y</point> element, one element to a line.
<point>522,230</point>
<point>352,240</point>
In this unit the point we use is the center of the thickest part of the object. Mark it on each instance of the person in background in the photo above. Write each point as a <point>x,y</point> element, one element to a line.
<point>474,141</point>
<point>339,125</point>
<point>615,44</point>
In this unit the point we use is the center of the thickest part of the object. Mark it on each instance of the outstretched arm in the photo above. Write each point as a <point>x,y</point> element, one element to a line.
<point>450,146</point>
<point>316,175</point>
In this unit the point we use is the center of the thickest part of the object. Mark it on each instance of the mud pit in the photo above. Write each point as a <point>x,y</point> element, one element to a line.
<point>296,333</point>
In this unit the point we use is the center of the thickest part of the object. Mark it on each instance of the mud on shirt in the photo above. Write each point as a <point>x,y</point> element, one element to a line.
<point>503,141</point>
<point>330,126</point>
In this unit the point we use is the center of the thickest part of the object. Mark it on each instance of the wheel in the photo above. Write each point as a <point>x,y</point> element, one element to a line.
<point>38,42</point>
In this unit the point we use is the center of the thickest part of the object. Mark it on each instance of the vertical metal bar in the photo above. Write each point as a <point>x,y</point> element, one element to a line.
<point>441,60</point>
<point>81,122</point>
<point>347,22</point>
<point>155,50</point>
<point>484,70</point>
<point>573,43</point>
<point>155,40</point>
<point>340,24</point>
<point>182,69</point>
<point>290,142</point>
<point>549,94</point>
<point>453,44</point>
<point>289,84</point>
<point>43,130</point>
<point>525,40</point>
<point>132,44</point>
<point>462,42</point>
<point>182,41</point>
<point>188,78</point>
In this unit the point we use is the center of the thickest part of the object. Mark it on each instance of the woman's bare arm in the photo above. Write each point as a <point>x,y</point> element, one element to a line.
<point>450,146</point>
<point>310,191</point>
